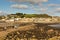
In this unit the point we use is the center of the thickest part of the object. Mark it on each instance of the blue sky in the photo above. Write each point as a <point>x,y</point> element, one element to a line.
<point>51,7</point>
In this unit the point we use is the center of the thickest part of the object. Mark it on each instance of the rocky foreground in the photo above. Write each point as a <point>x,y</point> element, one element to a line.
<point>32,31</point>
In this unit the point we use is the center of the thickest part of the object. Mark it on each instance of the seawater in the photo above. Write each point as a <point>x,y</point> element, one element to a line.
<point>55,25</point>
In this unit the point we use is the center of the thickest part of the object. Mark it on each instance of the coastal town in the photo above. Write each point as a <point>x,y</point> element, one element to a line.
<point>13,21</point>
<point>29,28</point>
<point>29,19</point>
<point>18,17</point>
<point>38,20</point>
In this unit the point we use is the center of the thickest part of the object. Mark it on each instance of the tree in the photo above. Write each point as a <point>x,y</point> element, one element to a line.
<point>20,15</point>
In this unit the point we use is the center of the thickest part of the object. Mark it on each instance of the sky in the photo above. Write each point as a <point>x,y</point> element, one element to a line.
<point>51,7</point>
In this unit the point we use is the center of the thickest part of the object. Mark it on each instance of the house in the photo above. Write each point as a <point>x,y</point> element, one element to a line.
<point>9,20</point>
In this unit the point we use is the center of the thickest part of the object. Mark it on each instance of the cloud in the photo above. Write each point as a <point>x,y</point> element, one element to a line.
<point>57,10</point>
<point>51,13</point>
<point>0,11</point>
<point>30,1</point>
<point>53,5</point>
<point>3,13</point>
<point>38,2</point>
<point>44,9</point>
<point>40,9</point>
<point>19,6</point>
